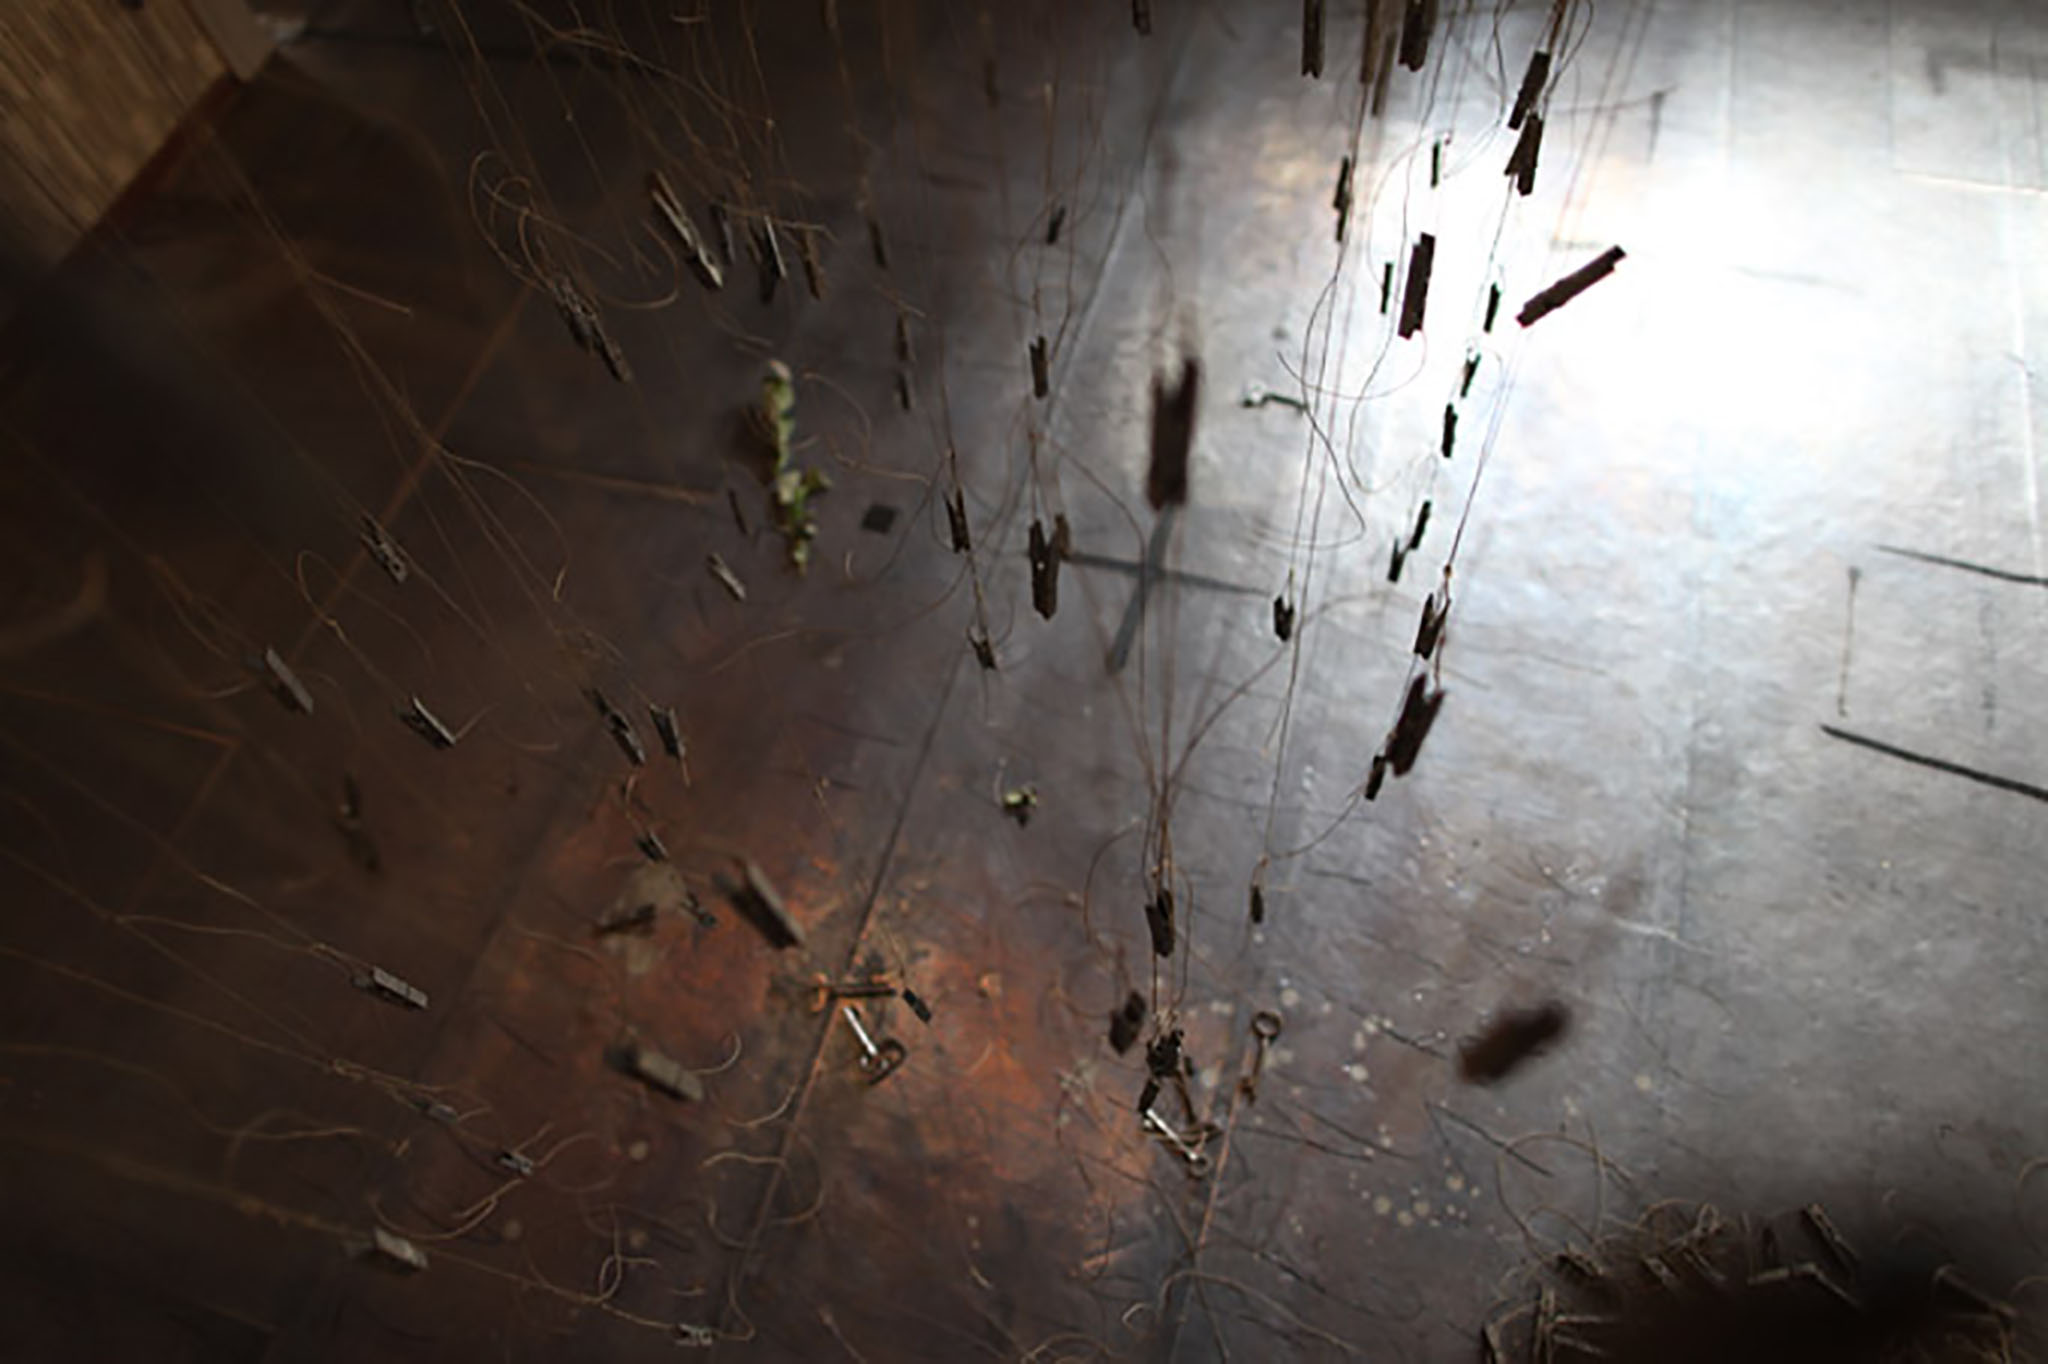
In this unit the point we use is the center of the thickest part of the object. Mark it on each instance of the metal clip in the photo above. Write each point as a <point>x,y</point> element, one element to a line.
<point>824,990</point>
<point>1266,1026</point>
<point>1492,307</point>
<point>650,845</point>
<point>881,1059</point>
<point>814,269</point>
<point>1418,713</point>
<point>1054,223</point>
<point>695,1337</point>
<point>756,898</point>
<point>1415,35</point>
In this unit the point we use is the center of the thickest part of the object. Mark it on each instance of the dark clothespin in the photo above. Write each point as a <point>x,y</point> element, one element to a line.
<point>1533,81</point>
<point>1173,436</point>
<point>1385,78</point>
<point>1054,223</point>
<point>669,208</point>
<point>1258,903</point>
<point>1163,1055</point>
<point>425,725</point>
<point>721,223</point>
<point>650,845</point>
<point>1126,1023</point>
<point>384,550</point>
<point>1149,1095</point>
<point>918,1007</point>
<point>956,521</point>
<point>614,358</point>
<point>362,848</point>
<point>1400,557</point>
<point>1492,307</point>
<point>1416,297</point>
<point>1369,53</point>
<point>1549,300</point>
<point>1421,525</point>
<point>768,258</point>
<point>1312,38</point>
<point>1041,368</point>
<point>1376,777</point>
<point>877,243</point>
<point>1386,286</point>
<point>906,395</point>
<point>814,268</point>
<point>1418,713</point>
<point>1159,918</point>
<point>984,648</point>
<point>1434,611</point>
<point>753,896</point>
<point>627,740</point>
<point>1341,200</point>
<point>1436,163</point>
<point>584,324</point>
<point>1141,16</point>
<point>1522,161</point>
<point>1283,619</point>
<point>739,518</point>
<point>285,685</point>
<point>906,359</point>
<point>1415,26</point>
<point>1471,368</point>
<point>1045,572</point>
<point>665,727</point>
<point>391,989</point>
<point>1450,429</point>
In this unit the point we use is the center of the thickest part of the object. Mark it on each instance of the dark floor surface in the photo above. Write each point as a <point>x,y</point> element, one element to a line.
<point>1724,542</point>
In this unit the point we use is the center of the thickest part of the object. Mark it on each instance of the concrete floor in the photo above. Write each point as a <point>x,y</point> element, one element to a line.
<point>1737,759</point>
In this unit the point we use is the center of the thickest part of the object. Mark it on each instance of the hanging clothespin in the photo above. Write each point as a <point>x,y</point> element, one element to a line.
<point>1416,297</point>
<point>1415,25</point>
<point>391,989</point>
<point>1376,776</point>
<point>1492,307</point>
<point>918,1006</point>
<point>1159,918</point>
<point>1045,572</point>
<point>1173,435</point>
<point>984,648</point>
<point>721,223</point>
<point>906,359</point>
<point>1450,437</point>
<point>1341,201</point>
<point>1141,17</point>
<point>668,206</point>
<point>1436,163</point>
<point>1041,368</point>
<point>1054,222</point>
<point>285,685</point>
<point>1533,80</point>
<point>1126,1023</point>
<point>1312,38</point>
<point>1386,287</point>
<point>650,845</point>
<point>425,724</point>
<point>1435,609</point>
<point>627,740</point>
<point>1522,161</point>
<point>754,897</point>
<point>1418,714</point>
<point>665,727</point>
<point>1394,565</point>
<point>814,269</point>
<point>956,520</point>
<point>1548,300</point>
<point>1283,618</point>
<point>639,920</point>
<point>1471,368</point>
<point>588,329</point>
<point>384,549</point>
<point>726,577</point>
<point>1421,525</point>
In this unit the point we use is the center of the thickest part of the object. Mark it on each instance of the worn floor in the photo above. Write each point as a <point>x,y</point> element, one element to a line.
<point>1741,758</point>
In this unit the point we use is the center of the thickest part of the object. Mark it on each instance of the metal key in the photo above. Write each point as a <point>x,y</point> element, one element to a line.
<point>1197,1161</point>
<point>878,1059</point>
<point>1266,1026</point>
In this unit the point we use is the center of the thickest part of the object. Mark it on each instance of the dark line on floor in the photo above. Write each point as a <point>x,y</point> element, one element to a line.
<point>1134,611</point>
<point>2018,788</point>
<point>2003,575</point>
<point>1133,570</point>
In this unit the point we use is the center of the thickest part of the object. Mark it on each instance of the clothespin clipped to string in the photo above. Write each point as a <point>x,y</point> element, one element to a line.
<point>425,724</point>
<point>650,845</point>
<point>878,244</point>
<point>668,206</point>
<point>285,685</point>
<point>1435,608</point>
<point>391,989</point>
<point>1283,618</point>
<point>1141,17</point>
<point>1394,565</point>
<point>1386,287</point>
<point>956,520</point>
<point>727,579</point>
<point>1054,222</point>
<point>768,258</point>
<point>1045,572</point>
<point>1341,200</point>
<point>384,549</point>
<point>906,358</point>
<point>753,896</point>
<point>1376,777</point>
<point>1173,435</point>
<point>1312,38</point>
<point>1415,26</point>
<point>1418,714</point>
<point>1416,298</point>
<point>1159,919</point>
<point>1492,307</point>
<point>1548,300</point>
<point>984,648</point>
<point>721,223</point>
<point>1522,161</point>
<point>1126,1023</point>
<point>621,728</point>
<point>1450,437</point>
<point>814,267</point>
<point>667,730</point>
<point>1436,163</point>
<point>1533,81</point>
<point>1471,369</point>
<point>1421,525</point>
<point>1041,368</point>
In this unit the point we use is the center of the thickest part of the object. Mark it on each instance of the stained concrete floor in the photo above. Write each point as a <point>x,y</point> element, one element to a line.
<point>1761,503</point>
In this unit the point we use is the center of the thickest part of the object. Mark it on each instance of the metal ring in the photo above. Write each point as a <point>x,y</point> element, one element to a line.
<point>1266,1025</point>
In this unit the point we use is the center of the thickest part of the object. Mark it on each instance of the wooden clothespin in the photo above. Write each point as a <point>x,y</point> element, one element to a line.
<point>1548,300</point>
<point>1415,299</point>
